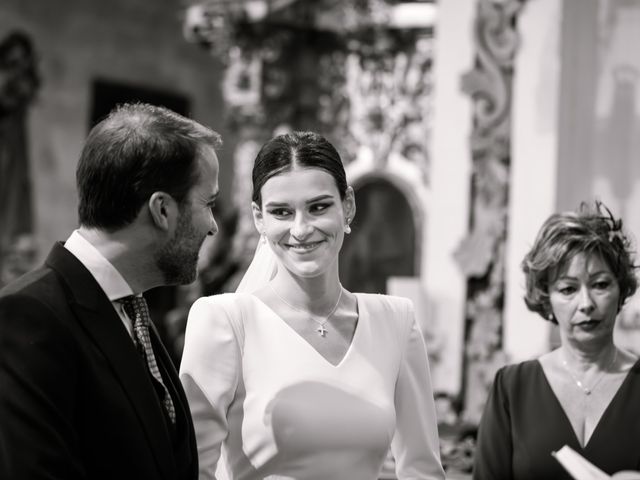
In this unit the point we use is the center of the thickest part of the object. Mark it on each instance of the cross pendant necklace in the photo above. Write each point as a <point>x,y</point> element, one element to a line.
<point>322,330</point>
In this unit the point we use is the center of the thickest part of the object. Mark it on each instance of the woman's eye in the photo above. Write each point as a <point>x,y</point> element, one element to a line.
<point>279,212</point>
<point>602,285</point>
<point>567,290</point>
<point>320,207</point>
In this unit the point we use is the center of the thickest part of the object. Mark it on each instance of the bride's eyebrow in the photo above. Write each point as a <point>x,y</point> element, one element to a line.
<point>272,203</point>
<point>276,204</point>
<point>319,198</point>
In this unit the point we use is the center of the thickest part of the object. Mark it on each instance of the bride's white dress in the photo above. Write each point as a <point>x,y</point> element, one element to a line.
<point>281,410</point>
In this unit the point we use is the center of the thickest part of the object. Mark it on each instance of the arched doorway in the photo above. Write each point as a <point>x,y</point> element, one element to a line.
<point>383,242</point>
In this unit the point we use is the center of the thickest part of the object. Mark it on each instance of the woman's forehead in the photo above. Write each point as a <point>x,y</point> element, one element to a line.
<point>588,262</point>
<point>300,182</point>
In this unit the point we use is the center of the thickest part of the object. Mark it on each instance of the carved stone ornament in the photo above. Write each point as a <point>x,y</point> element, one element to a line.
<point>481,255</point>
<point>389,95</point>
<point>338,68</point>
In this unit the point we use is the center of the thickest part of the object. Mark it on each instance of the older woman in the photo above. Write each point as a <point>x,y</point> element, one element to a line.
<point>586,393</point>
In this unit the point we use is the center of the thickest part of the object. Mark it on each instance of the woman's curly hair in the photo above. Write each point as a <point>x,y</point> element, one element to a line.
<point>592,229</point>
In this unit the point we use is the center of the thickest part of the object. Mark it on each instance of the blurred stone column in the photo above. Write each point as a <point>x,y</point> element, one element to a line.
<point>18,85</point>
<point>535,161</point>
<point>447,223</point>
<point>481,254</point>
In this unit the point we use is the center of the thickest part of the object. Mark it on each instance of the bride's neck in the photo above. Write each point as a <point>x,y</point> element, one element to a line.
<point>309,293</point>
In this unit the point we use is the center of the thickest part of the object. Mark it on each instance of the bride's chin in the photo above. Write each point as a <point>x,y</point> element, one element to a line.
<point>305,271</point>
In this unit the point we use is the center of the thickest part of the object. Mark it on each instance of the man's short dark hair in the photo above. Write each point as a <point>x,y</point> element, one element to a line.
<point>138,149</point>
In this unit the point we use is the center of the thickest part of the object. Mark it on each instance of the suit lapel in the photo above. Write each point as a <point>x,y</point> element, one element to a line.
<point>172,381</point>
<point>98,317</point>
<point>169,373</point>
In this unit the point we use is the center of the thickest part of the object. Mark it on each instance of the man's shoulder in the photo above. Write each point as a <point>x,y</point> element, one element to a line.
<point>30,282</point>
<point>31,303</point>
<point>41,286</point>
<point>46,280</point>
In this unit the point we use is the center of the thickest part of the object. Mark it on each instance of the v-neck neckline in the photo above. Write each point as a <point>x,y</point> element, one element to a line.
<point>300,338</point>
<point>605,413</point>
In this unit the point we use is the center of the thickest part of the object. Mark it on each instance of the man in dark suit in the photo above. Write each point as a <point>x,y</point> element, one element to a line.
<point>87,391</point>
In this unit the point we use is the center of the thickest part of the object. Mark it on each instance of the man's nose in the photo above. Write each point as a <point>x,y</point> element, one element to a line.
<point>214,227</point>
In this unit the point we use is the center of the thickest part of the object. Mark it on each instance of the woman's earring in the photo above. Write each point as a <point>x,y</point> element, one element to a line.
<point>347,229</point>
<point>550,317</point>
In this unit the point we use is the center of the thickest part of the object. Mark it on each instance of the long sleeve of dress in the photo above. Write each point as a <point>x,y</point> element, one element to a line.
<point>415,445</point>
<point>209,372</point>
<point>492,460</point>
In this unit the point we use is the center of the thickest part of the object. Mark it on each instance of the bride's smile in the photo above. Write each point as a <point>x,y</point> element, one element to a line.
<point>303,219</point>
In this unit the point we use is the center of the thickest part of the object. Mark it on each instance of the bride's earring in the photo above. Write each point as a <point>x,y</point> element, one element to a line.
<point>347,228</point>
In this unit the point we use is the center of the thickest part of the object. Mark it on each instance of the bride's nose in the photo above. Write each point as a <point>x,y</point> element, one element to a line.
<point>300,228</point>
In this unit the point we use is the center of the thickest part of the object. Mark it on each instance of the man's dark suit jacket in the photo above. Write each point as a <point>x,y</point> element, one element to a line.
<point>76,401</point>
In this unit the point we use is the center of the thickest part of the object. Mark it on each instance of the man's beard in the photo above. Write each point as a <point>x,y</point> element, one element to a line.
<point>178,258</point>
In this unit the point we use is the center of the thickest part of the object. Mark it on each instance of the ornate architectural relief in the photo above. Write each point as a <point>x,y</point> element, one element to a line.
<point>390,102</point>
<point>334,67</point>
<point>482,254</point>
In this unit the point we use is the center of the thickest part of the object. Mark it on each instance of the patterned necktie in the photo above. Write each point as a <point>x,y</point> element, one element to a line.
<point>138,312</point>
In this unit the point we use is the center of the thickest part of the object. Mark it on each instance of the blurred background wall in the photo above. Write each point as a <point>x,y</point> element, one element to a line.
<point>88,54</point>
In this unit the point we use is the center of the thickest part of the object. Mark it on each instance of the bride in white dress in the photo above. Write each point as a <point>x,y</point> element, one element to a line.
<point>293,376</point>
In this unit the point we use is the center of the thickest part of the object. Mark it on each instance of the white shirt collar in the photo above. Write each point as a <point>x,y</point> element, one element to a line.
<point>109,279</point>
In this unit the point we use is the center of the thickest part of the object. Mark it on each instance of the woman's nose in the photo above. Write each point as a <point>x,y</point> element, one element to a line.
<point>301,229</point>
<point>586,302</point>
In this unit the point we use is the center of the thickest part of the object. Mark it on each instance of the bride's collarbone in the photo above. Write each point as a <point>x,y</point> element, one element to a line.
<point>309,326</point>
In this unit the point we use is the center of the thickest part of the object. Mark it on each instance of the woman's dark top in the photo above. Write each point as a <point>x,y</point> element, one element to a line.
<point>523,422</point>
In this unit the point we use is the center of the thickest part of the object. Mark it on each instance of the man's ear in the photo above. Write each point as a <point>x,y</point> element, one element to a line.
<point>258,219</point>
<point>349,205</point>
<point>163,210</point>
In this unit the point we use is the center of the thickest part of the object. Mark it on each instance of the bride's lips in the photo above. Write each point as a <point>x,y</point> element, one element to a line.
<point>303,247</point>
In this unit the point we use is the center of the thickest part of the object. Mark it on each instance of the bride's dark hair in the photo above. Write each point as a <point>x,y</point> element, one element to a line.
<point>296,149</point>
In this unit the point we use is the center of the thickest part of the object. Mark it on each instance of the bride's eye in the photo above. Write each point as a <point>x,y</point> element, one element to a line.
<point>279,212</point>
<point>319,207</point>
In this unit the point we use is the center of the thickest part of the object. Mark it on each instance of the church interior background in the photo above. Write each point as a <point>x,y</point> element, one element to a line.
<point>462,125</point>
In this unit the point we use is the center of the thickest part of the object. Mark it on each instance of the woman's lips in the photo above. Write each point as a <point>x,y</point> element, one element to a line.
<point>588,324</point>
<point>303,247</point>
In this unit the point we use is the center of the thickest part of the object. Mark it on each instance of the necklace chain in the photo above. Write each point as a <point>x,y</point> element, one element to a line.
<point>322,330</point>
<point>580,383</point>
